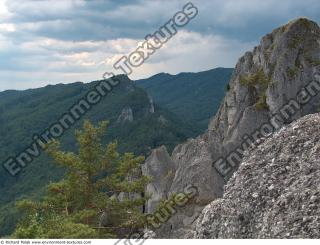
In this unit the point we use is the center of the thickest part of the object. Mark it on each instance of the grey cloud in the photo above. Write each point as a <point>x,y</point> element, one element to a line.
<point>237,23</point>
<point>100,20</point>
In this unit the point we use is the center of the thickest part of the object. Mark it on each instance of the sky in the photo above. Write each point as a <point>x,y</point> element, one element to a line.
<point>61,41</point>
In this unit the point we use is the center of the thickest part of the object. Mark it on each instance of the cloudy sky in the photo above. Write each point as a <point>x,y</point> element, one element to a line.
<point>60,41</point>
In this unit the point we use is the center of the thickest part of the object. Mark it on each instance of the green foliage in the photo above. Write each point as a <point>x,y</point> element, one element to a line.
<point>170,175</point>
<point>305,23</point>
<point>192,96</point>
<point>258,81</point>
<point>262,104</point>
<point>25,113</point>
<point>266,55</point>
<point>281,29</point>
<point>228,87</point>
<point>295,41</point>
<point>94,174</point>
<point>292,73</point>
<point>54,228</point>
<point>273,46</point>
<point>195,97</point>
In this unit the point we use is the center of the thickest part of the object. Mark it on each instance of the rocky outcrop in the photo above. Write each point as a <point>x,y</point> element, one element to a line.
<point>125,116</point>
<point>163,120</point>
<point>151,104</point>
<point>161,169</point>
<point>264,81</point>
<point>270,85</point>
<point>276,191</point>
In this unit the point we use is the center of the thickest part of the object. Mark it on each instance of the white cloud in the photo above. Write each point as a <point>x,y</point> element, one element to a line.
<point>7,27</point>
<point>4,12</point>
<point>54,41</point>
<point>67,61</point>
<point>193,52</point>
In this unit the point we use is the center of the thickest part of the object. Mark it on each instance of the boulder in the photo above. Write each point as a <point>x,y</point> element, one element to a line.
<point>276,191</point>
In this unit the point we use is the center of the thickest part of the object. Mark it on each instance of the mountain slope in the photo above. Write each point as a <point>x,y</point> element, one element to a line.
<point>135,122</point>
<point>195,97</point>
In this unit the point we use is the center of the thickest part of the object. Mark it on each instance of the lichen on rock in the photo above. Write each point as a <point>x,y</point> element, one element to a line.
<point>276,191</point>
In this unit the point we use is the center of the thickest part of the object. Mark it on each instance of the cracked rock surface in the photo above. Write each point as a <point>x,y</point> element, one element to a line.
<point>264,80</point>
<point>276,191</point>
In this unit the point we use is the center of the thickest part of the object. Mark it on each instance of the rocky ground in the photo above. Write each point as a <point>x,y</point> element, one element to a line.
<point>276,191</point>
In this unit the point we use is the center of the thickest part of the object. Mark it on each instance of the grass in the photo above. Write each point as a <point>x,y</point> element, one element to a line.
<point>259,81</point>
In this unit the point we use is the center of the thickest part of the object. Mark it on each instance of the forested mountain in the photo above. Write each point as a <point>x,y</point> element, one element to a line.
<point>195,97</point>
<point>135,122</point>
<point>162,110</point>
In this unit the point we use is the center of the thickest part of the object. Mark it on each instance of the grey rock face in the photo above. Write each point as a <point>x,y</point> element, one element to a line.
<point>163,120</point>
<point>161,168</point>
<point>281,66</point>
<point>276,191</point>
<point>126,115</point>
<point>264,80</point>
<point>151,104</point>
<point>194,164</point>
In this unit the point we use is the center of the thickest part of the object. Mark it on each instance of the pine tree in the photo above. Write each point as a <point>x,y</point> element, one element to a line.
<point>100,196</point>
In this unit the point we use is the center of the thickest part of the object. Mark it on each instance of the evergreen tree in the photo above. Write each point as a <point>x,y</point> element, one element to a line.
<point>101,195</point>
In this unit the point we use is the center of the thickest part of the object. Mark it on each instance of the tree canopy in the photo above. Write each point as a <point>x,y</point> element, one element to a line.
<point>100,196</point>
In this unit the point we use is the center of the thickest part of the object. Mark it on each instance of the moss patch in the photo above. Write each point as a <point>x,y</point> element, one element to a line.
<point>170,174</point>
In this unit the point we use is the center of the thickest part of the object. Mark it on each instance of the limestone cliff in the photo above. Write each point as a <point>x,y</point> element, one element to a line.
<point>272,85</point>
<point>160,166</point>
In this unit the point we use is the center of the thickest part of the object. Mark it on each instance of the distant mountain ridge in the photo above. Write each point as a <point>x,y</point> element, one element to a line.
<point>195,97</point>
<point>136,123</point>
